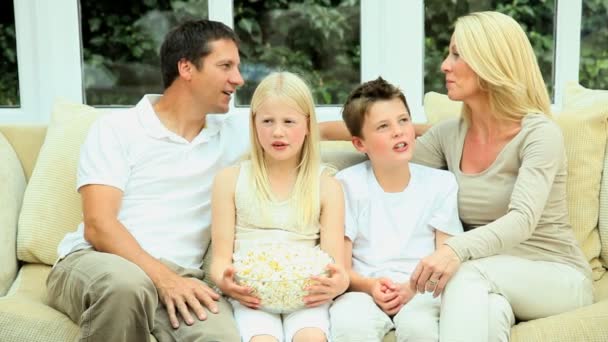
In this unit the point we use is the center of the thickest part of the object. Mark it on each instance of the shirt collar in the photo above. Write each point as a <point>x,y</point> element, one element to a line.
<point>155,128</point>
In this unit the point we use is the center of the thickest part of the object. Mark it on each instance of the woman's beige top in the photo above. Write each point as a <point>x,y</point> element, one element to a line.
<point>517,206</point>
<point>267,222</point>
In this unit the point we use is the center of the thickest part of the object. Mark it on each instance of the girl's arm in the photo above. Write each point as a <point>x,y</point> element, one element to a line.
<point>223,220</point>
<point>332,218</point>
<point>332,242</point>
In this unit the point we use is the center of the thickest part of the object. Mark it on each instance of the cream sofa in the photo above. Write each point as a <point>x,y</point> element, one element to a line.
<point>39,205</point>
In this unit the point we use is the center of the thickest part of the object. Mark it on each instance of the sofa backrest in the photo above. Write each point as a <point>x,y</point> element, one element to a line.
<point>26,140</point>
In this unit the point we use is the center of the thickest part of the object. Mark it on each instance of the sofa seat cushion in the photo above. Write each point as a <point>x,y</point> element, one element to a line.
<point>584,123</point>
<point>24,315</point>
<point>51,204</point>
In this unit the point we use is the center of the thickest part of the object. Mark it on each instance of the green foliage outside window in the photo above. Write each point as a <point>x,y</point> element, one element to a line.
<point>121,41</point>
<point>9,81</point>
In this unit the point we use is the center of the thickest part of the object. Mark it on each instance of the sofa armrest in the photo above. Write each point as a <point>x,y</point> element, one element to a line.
<point>12,187</point>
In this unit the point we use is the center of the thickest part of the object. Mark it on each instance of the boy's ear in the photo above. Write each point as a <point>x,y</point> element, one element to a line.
<point>359,144</point>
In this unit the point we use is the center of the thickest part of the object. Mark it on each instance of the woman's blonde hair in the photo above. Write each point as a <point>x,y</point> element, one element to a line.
<point>497,49</point>
<point>290,88</point>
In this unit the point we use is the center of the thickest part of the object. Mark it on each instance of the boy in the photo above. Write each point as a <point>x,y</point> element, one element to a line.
<point>396,214</point>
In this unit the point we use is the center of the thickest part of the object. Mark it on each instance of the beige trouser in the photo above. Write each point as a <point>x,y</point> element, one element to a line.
<point>534,289</point>
<point>354,316</point>
<point>112,299</point>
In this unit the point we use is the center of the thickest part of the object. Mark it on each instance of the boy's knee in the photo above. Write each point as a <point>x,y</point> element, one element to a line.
<point>417,330</point>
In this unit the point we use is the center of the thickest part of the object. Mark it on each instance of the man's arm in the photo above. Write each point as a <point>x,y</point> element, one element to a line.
<point>336,130</point>
<point>103,230</point>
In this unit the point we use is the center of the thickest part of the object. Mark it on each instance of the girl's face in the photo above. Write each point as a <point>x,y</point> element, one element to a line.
<point>460,80</point>
<point>281,130</point>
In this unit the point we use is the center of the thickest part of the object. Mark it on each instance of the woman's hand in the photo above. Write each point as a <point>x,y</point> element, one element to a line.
<point>433,272</point>
<point>327,288</point>
<point>240,293</point>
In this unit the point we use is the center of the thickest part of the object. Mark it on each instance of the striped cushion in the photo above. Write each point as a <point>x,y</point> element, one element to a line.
<point>51,205</point>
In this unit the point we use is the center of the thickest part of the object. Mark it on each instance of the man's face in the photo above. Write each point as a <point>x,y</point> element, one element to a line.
<point>215,82</point>
<point>388,133</point>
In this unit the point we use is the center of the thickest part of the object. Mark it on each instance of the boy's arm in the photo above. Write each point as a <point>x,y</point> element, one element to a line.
<point>440,238</point>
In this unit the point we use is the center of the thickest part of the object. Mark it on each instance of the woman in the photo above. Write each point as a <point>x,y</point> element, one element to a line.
<point>518,256</point>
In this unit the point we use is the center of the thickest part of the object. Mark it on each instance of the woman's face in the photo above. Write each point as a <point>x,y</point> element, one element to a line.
<point>460,80</point>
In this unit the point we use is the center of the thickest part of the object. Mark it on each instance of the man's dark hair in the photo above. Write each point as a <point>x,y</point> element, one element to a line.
<point>363,97</point>
<point>190,41</point>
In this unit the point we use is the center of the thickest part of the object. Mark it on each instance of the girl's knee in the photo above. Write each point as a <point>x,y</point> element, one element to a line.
<point>263,338</point>
<point>309,334</point>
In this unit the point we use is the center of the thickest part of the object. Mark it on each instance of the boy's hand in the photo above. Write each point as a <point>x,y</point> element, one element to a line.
<point>384,292</point>
<point>240,293</point>
<point>404,295</point>
<point>178,294</point>
<point>327,288</point>
<point>433,272</point>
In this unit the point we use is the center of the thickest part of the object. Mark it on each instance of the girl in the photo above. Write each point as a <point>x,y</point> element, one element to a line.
<point>279,194</point>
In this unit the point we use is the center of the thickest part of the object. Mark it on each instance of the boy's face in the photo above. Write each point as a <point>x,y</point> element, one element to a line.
<point>388,135</point>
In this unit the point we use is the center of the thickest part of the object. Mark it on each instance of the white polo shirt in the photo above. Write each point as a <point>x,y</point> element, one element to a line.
<point>166,181</point>
<point>391,232</point>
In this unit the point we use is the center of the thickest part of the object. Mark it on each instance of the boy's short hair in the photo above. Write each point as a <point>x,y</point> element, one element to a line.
<point>363,97</point>
<point>190,41</point>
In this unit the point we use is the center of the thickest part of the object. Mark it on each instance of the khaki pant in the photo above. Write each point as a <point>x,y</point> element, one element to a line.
<point>112,299</point>
<point>531,290</point>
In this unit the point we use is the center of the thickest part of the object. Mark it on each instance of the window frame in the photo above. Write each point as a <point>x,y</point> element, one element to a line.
<point>49,53</point>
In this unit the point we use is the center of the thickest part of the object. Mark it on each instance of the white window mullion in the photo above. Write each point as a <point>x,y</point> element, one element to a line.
<point>567,46</point>
<point>392,46</point>
<point>48,54</point>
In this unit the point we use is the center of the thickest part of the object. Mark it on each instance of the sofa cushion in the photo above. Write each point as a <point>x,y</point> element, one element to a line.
<point>11,196</point>
<point>583,121</point>
<point>51,205</point>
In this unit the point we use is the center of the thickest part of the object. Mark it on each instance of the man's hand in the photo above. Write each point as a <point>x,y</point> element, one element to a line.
<point>325,289</point>
<point>180,294</point>
<point>242,294</point>
<point>433,272</point>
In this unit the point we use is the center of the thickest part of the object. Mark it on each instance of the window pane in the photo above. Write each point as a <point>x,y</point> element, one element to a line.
<point>121,40</point>
<point>9,75</point>
<point>317,39</point>
<point>594,45</point>
<point>536,18</point>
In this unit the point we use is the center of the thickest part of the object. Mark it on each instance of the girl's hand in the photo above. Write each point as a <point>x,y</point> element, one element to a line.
<point>327,288</point>
<point>240,293</point>
<point>433,272</point>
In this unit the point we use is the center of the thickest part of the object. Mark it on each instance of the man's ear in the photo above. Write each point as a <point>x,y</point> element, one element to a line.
<point>359,144</point>
<point>184,68</point>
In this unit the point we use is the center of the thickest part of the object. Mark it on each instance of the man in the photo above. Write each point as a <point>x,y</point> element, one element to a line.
<point>145,178</point>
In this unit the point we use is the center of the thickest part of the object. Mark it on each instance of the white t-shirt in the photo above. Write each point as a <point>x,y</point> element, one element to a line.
<point>391,232</point>
<point>166,181</point>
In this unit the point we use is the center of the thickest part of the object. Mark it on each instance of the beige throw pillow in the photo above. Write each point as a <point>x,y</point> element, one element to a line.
<point>51,205</point>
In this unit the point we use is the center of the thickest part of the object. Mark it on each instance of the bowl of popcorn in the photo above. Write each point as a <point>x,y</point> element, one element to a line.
<point>279,274</point>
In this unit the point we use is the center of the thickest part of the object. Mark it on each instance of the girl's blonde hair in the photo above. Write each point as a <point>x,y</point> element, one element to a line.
<point>497,49</point>
<point>290,88</point>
